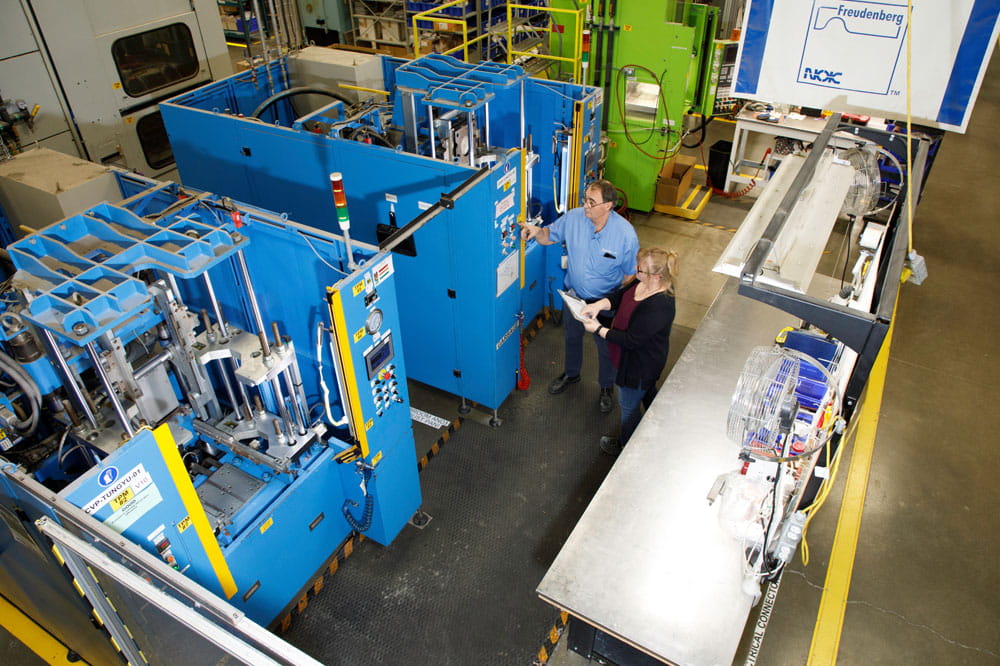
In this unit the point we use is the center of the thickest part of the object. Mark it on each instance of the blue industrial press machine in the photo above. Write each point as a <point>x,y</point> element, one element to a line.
<point>178,383</point>
<point>446,153</point>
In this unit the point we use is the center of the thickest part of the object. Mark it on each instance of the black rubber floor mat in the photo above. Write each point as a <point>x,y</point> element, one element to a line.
<point>502,501</point>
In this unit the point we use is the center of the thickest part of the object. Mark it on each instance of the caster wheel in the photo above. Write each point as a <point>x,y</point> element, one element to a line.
<point>464,408</point>
<point>495,422</point>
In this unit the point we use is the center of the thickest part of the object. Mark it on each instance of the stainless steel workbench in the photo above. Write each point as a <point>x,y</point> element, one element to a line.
<point>648,562</point>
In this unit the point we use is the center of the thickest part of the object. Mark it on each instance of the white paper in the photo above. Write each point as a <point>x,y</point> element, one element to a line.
<point>574,305</point>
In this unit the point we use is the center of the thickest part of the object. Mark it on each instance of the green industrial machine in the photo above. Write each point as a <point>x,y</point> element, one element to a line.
<point>657,62</point>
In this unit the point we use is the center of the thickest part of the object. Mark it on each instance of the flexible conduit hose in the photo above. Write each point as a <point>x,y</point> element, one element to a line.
<point>28,387</point>
<point>301,90</point>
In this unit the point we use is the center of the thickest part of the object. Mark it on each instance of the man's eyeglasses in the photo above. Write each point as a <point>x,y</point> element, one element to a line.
<point>590,203</point>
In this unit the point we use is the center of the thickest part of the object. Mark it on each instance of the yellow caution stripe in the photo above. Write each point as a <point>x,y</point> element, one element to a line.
<point>830,618</point>
<point>34,636</point>
<point>442,440</point>
<point>195,510</point>
<point>552,639</point>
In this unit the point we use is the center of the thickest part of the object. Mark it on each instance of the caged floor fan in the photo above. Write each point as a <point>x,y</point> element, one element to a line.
<point>783,405</point>
<point>784,409</point>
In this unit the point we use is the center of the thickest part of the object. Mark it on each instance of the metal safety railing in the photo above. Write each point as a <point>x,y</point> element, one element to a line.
<point>516,25</point>
<point>439,15</point>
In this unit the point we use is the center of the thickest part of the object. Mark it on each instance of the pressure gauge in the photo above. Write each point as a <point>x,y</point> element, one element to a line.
<point>374,321</point>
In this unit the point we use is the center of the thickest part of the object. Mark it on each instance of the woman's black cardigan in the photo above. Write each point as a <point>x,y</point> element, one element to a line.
<point>646,342</point>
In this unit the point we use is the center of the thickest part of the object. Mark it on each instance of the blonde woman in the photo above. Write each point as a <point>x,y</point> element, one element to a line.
<point>639,337</point>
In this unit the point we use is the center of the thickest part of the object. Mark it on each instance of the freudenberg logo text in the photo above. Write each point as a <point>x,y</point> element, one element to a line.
<point>870,14</point>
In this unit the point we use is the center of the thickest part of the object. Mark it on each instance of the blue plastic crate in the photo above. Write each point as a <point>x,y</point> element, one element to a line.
<point>459,11</point>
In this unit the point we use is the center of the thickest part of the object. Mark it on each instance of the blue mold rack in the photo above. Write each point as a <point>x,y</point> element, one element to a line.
<point>80,270</point>
<point>451,83</point>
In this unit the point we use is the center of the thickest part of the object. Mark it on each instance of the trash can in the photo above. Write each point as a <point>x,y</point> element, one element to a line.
<point>718,162</point>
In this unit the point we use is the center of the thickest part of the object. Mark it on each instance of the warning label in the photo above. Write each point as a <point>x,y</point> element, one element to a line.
<point>121,491</point>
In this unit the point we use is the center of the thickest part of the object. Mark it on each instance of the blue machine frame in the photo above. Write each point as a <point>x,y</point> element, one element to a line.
<point>447,126</point>
<point>225,453</point>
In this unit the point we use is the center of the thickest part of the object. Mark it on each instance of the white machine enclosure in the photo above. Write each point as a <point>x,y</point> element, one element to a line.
<point>97,70</point>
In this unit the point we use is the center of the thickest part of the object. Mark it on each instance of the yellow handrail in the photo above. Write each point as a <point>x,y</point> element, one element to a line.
<point>436,16</point>
<point>575,14</point>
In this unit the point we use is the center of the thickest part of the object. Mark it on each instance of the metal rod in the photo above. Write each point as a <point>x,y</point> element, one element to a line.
<point>152,364</point>
<point>79,398</point>
<point>244,396</point>
<point>275,25</point>
<point>254,307</point>
<point>279,398</point>
<point>172,281</point>
<point>278,344</point>
<point>263,46</point>
<point>300,393</point>
<point>227,383</point>
<point>216,308</point>
<point>486,116</point>
<point>523,130</point>
<point>470,120</point>
<point>430,122</point>
<point>298,412</point>
<point>110,388</point>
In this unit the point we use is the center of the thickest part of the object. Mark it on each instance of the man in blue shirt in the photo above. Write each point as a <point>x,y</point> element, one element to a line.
<point>601,247</point>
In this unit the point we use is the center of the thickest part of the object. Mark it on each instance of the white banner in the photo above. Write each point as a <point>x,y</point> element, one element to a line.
<point>851,56</point>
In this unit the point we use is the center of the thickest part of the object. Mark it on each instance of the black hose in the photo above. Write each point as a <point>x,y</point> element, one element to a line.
<point>301,90</point>
<point>30,390</point>
<point>705,120</point>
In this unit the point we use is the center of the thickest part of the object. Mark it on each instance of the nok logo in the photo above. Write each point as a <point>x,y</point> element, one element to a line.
<point>822,75</point>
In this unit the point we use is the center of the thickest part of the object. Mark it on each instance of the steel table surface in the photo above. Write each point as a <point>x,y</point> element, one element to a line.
<point>648,561</point>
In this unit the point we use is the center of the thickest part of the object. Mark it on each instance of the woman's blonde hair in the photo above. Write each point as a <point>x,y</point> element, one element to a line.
<point>660,262</point>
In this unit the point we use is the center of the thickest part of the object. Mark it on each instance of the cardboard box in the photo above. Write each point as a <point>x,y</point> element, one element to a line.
<point>675,180</point>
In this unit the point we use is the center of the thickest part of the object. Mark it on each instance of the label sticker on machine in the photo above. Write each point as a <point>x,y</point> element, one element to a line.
<point>507,181</point>
<point>129,507</point>
<point>504,205</point>
<point>382,271</point>
<point>132,483</point>
<point>507,272</point>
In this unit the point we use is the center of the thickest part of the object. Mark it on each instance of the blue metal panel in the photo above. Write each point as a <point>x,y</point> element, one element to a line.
<point>132,492</point>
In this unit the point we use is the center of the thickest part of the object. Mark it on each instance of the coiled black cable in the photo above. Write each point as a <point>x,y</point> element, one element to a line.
<point>369,510</point>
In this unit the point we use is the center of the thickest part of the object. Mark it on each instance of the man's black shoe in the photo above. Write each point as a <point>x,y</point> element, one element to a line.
<point>560,383</point>
<point>611,445</point>
<point>605,401</point>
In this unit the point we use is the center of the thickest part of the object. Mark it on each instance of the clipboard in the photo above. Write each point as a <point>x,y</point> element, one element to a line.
<point>574,305</point>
